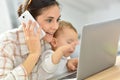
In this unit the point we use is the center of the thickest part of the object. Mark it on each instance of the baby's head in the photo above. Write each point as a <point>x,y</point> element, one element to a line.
<point>66,34</point>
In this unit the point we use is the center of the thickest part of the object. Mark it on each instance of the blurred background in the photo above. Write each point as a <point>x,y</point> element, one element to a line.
<point>78,12</point>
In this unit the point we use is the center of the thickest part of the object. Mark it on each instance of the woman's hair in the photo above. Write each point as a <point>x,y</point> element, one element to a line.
<point>62,25</point>
<point>36,7</point>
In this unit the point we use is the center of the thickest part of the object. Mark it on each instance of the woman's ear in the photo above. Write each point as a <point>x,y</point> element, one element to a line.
<point>54,42</point>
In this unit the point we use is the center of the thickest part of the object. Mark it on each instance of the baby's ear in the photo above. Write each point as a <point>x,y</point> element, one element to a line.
<point>53,42</point>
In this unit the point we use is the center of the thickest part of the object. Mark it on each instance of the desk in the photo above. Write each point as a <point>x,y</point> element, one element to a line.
<point>112,73</point>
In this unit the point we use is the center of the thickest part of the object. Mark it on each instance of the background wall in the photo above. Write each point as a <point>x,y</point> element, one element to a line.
<point>108,13</point>
<point>78,12</point>
<point>5,23</point>
<point>81,12</point>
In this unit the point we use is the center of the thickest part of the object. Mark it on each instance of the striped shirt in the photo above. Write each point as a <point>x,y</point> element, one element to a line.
<point>13,52</point>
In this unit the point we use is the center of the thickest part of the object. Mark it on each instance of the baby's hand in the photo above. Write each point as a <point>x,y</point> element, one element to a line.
<point>72,64</point>
<point>68,49</point>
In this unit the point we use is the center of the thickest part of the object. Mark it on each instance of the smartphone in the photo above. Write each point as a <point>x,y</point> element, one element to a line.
<point>25,17</point>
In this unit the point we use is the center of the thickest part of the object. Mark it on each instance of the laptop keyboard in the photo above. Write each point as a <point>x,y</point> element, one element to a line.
<point>69,76</point>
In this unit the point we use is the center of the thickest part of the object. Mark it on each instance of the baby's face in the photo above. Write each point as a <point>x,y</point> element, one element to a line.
<point>67,36</point>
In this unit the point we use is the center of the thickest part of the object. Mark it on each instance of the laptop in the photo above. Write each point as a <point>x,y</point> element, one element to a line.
<point>98,49</point>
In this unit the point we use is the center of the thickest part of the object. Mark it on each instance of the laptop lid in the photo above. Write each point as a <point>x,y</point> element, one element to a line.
<point>98,49</point>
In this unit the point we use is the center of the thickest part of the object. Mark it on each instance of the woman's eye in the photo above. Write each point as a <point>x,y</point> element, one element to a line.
<point>49,20</point>
<point>58,19</point>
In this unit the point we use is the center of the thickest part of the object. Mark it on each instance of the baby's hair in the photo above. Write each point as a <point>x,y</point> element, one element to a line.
<point>62,25</point>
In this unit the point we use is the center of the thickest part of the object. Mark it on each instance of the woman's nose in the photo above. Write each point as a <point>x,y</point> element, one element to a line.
<point>55,26</point>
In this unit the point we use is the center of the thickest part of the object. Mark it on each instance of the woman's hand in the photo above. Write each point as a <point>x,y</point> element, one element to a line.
<point>72,64</point>
<point>32,38</point>
<point>33,42</point>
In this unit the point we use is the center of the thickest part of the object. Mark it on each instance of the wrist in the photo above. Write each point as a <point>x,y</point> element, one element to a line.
<point>30,62</point>
<point>35,53</point>
<point>60,51</point>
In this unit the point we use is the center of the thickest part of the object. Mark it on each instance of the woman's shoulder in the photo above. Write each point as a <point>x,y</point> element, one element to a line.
<point>9,40</point>
<point>11,35</point>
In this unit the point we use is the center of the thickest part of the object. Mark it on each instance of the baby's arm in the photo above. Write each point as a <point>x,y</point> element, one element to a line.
<point>63,51</point>
<point>57,55</point>
<point>51,59</point>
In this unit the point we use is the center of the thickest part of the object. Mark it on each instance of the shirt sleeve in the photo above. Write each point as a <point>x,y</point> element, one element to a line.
<point>8,73</point>
<point>47,63</point>
<point>7,69</point>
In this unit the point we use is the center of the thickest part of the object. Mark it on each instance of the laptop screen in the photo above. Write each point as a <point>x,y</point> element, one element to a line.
<point>99,45</point>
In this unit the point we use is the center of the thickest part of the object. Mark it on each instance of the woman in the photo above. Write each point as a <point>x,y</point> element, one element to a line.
<point>20,51</point>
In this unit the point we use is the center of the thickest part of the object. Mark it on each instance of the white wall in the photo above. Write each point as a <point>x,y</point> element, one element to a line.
<point>73,15</point>
<point>70,13</point>
<point>79,18</point>
<point>8,15</point>
<point>108,13</point>
<point>5,23</point>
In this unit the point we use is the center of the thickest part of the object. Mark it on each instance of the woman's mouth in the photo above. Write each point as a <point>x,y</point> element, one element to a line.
<point>49,33</point>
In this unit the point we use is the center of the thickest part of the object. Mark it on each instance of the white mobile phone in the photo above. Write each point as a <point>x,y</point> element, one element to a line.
<point>25,17</point>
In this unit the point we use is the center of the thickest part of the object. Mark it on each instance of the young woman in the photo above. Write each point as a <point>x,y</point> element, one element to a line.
<point>20,51</point>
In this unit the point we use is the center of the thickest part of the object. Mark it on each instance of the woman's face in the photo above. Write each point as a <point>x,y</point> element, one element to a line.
<point>48,21</point>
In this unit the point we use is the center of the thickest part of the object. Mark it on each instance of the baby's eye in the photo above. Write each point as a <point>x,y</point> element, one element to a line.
<point>69,42</point>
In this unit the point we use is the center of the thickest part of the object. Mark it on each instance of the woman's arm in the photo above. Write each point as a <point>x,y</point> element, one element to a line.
<point>8,70</point>
<point>33,43</point>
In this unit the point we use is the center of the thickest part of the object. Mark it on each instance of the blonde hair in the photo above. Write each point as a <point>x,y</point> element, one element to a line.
<point>62,25</point>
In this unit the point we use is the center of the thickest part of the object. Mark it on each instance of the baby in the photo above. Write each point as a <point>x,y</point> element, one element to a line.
<point>54,60</point>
